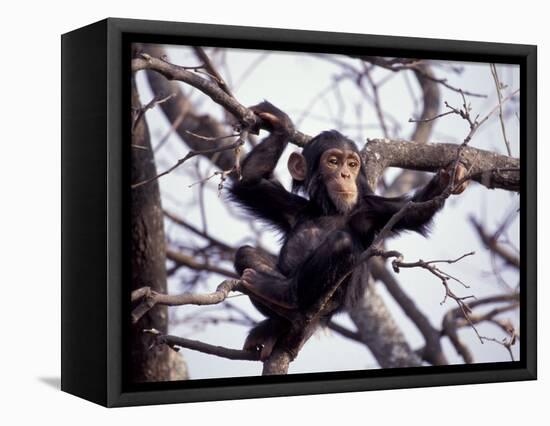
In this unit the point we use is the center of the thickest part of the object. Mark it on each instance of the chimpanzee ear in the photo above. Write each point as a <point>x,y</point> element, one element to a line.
<point>297,166</point>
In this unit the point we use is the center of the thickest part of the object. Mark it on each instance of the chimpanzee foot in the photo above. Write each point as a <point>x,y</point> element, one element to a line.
<point>263,344</point>
<point>249,276</point>
<point>263,337</point>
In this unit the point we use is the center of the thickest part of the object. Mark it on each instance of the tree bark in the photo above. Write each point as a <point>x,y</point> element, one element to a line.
<point>487,168</point>
<point>379,331</point>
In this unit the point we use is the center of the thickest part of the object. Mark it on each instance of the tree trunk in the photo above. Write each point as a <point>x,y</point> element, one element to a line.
<point>379,331</point>
<point>148,257</point>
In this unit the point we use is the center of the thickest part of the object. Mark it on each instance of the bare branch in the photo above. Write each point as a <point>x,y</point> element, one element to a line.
<point>487,168</point>
<point>199,51</point>
<point>346,332</point>
<point>399,64</point>
<point>149,298</point>
<point>475,124</point>
<point>175,72</point>
<point>505,181</point>
<point>212,90</point>
<point>427,120</point>
<point>431,100</point>
<point>499,88</point>
<point>190,262</point>
<point>464,112</point>
<point>210,139</point>
<point>376,101</point>
<point>189,155</point>
<point>182,222</point>
<point>174,342</point>
<point>398,263</point>
<point>157,100</point>
<point>143,148</point>
<point>432,351</point>
<point>490,241</point>
<point>450,323</point>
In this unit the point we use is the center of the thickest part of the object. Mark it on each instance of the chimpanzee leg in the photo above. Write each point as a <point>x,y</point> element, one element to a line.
<point>266,285</point>
<point>326,265</point>
<point>258,270</point>
<point>323,268</point>
<point>259,260</point>
<point>264,336</point>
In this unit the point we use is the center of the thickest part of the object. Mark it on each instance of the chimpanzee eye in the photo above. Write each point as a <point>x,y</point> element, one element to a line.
<point>333,161</point>
<point>352,164</point>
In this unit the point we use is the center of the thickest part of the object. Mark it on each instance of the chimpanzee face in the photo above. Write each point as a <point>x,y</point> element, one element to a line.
<point>339,169</point>
<point>328,170</point>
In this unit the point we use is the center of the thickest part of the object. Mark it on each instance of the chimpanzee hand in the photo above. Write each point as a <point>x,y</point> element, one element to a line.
<point>446,175</point>
<point>273,119</point>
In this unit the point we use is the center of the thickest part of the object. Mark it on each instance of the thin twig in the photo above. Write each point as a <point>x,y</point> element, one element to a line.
<point>189,155</point>
<point>210,139</point>
<point>399,64</point>
<point>427,120</point>
<point>376,101</point>
<point>492,244</point>
<point>154,102</point>
<point>143,148</point>
<point>180,221</point>
<point>499,88</point>
<point>179,119</point>
<point>475,125</point>
<point>450,323</point>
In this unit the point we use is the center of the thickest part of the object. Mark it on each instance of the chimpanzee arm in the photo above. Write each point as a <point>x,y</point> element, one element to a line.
<point>270,201</point>
<point>261,161</point>
<point>377,211</point>
<point>257,190</point>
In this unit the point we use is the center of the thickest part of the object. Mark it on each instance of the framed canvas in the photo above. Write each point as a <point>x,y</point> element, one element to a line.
<point>254,212</point>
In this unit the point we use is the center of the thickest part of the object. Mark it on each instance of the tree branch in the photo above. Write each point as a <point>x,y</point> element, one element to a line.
<point>492,244</point>
<point>450,327</point>
<point>485,167</point>
<point>218,95</point>
<point>427,157</point>
<point>212,240</point>
<point>190,154</point>
<point>223,352</point>
<point>399,64</point>
<point>149,298</point>
<point>433,351</point>
<point>190,262</point>
<point>346,332</point>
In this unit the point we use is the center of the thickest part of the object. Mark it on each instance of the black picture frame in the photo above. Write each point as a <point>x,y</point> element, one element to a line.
<point>95,93</point>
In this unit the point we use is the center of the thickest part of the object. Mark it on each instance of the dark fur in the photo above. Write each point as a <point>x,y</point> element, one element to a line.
<point>319,243</point>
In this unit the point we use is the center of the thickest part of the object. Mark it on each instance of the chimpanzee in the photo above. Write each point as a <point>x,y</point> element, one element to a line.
<point>324,233</point>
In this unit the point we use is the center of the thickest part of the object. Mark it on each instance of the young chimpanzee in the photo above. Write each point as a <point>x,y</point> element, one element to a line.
<point>323,233</point>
